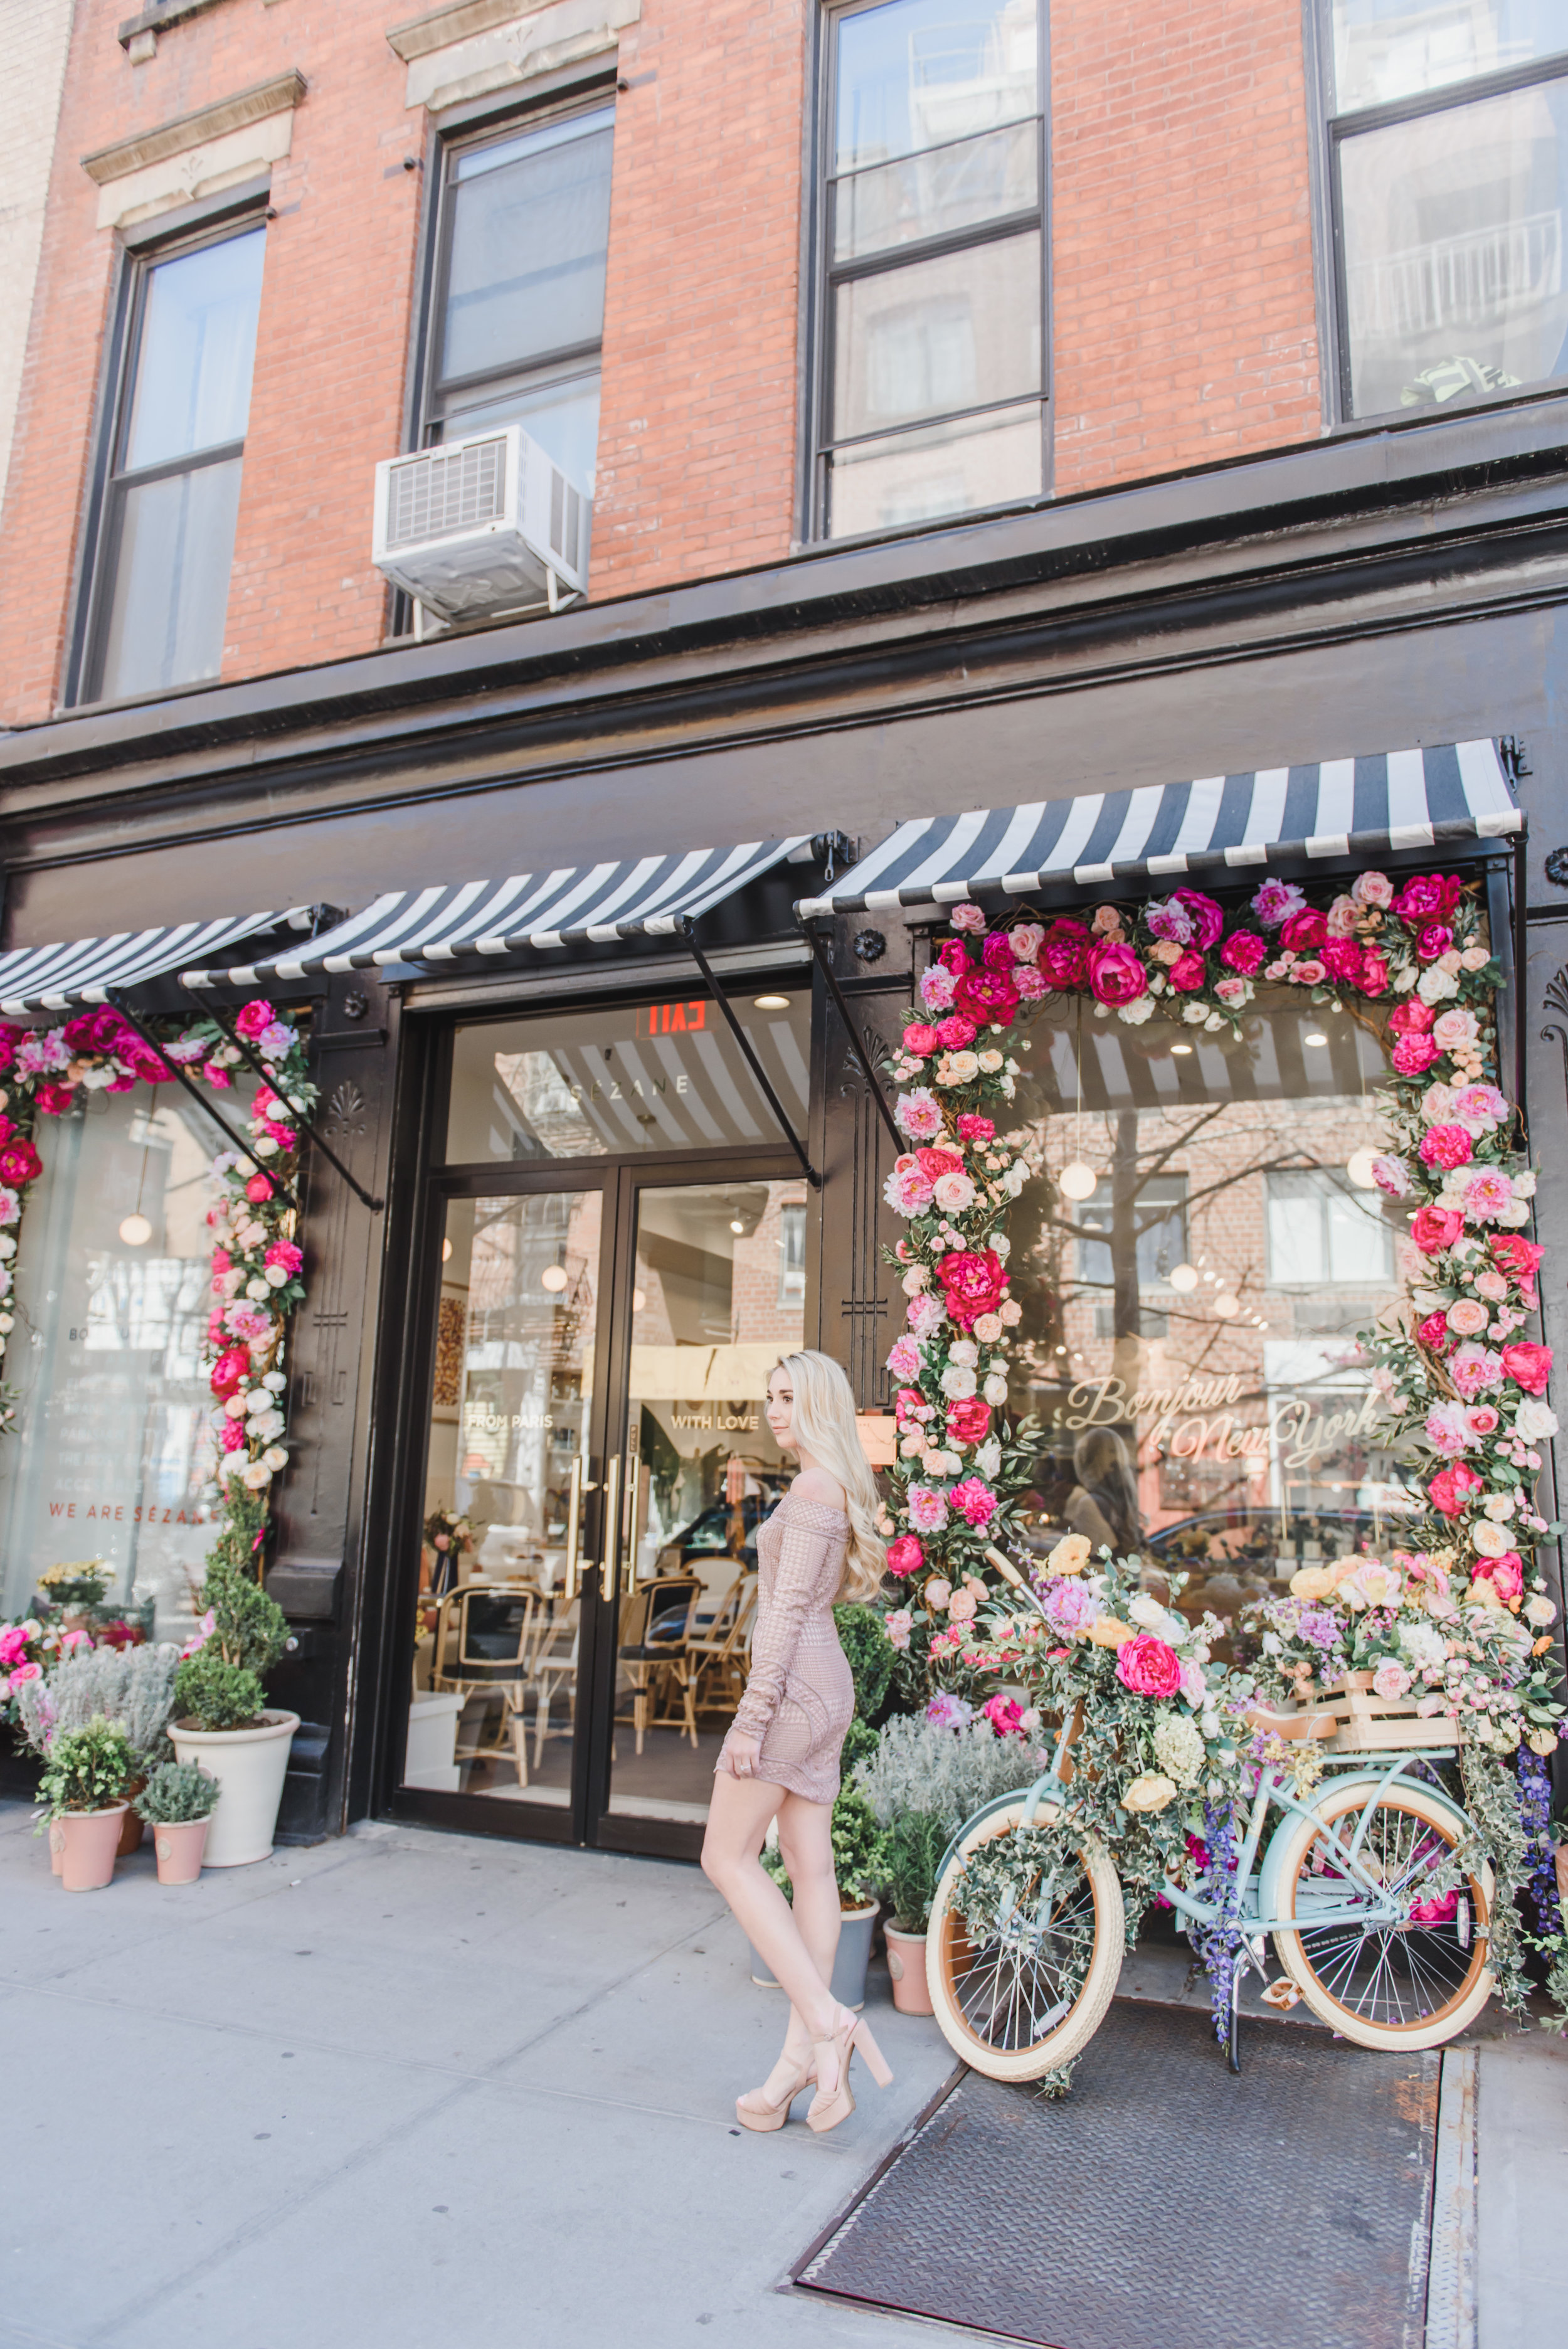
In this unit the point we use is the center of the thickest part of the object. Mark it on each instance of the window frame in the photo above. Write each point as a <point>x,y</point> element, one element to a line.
<point>1334,128</point>
<point>101,529</point>
<point>467,136</point>
<point>826,276</point>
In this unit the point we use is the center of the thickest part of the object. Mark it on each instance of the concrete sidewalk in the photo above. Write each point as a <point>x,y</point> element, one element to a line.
<point>416,2090</point>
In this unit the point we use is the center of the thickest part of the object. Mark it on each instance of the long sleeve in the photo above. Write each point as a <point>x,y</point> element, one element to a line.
<point>809,1558</point>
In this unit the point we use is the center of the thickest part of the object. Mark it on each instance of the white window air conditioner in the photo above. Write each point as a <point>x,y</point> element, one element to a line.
<point>481,527</point>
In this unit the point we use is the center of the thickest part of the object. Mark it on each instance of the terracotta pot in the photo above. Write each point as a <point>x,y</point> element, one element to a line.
<point>56,1847</point>
<point>250,1765</point>
<point>178,1850</point>
<point>92,1841</point>
<point>131,1833</point>
<point>907,1964</point>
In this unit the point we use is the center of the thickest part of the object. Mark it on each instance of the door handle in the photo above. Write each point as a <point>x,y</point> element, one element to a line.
<point>612,1526</point>
<point>636,1470</point>
<point>574,1531</point>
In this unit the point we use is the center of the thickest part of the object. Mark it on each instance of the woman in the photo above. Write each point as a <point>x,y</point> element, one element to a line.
<point>781,1759</point>
<point>1103,1504</point>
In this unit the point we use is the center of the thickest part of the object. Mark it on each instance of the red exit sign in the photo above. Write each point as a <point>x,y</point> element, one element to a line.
<point>672,1018</point>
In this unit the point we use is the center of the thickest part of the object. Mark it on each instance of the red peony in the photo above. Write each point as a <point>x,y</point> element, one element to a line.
<point>1432,939</point>
<point>1435,1334</point>
<point>1518,1258</point>
<point>904,1554</point>
<point>969,1422</point>
<point>933,1162</point>
<point>1433,1229</point>
<point>972,1128</point>
<point>1148,1667</point>
<point>253,1018</point>
<point>20,1162</point>
<point>953,957</point>
<point>975,1283</point>
<point>1345,962</point>
<point>286,1253</point>
<point>1187,972</point>
<point>1243,950</point>
<point>919,1037</point>
<point>1206,918</point>
<point>1528,1365</point>
<point>94,1031</point>
<point>56,1099</point>
<point>9,1039</point>
<point>258,1190</point>
<point>1413,1055</point>
<point>1374,979</point>
<point>229,1370</point>
<point>1064,952</point>
<point>1450,1486</point>
<point>1411,1018</point>
<point>1116,975</point>
<point>1446,1146</point>
<point>997,954</point>
<point>1429,898</point>
<point>1305,932</point>
<point>956,1034</point>
<point>986,994</point>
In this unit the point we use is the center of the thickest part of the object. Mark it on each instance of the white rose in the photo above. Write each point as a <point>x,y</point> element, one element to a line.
<point>256,1474</point>
<point>994,1390</point>
<point>258,1400</point>
<point>964,1351</point>
<point>8,1245</point>
<point>235,1407</point>
<point>1534,1421</point>
<point>990,1062</point>
<point>267,1424</point>
<point>1136,1012</point>
<point>1540,1612</point>
<point>915,1280</point>
<point>7,1321</point>
<point>275,1457</point>
<point>1213,1023</point>
<point>276,1276</point>
<point>1002,1243</point>
<point>988,1459</point>
<point>1524,1183</point>
<point>1013,1181</point>
<point>274,1383</point>
<point>1500,1505</point>
<point>958,1382</point>
<point>1489,1539</point>
<point>1436,985</point>
<point>258,1290</point>
<point>1193,1014</point>
<point>961,1069</point>
<point>263,1145</point>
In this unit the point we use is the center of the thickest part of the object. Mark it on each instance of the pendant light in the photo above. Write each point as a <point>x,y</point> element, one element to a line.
<point>1077,1179</point>
<point>1358,1166</point>
<point>135,1230</point>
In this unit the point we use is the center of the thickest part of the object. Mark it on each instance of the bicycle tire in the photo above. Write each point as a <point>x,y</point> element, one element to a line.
<point>1411,1985</point>
<point>988,2001</point>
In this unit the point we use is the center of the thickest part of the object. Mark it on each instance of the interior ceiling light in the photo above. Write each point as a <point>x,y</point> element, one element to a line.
<point>1314,1036</point>
<point>553,1277</point>
<point>446,1251</point>
<point>638,1300</point>
<point>1184,1278</point>
<point>1077,1181</point>
<point>1358,1166</point>
<point>736,1224</point>
<point>771,1002</point>
<point>1181,1048</point>
<point>135,1231</point>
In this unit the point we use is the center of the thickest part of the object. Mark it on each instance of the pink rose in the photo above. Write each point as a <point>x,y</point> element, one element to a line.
<point>1505,1574</point>
<point>1107,922</point>
<point>905,1555</point>
<point>919,1039</point>
<point>1205,915</point>
<point>1025,939</point>
<point>1243,951</point>
<point>1414,1055</point>
<point>1374,975</point>
<point>1390,1680</point>
<point>955,1033</point>
<point>1467,1318</point>
<point>969,1421</point>
<point>1451,1487</point>
<point>966,917</point>
<point>24,1672</point>
<point>1433,1229</point>
<point>1446,1146</point>
<point>1373,889</point>
<point>1411,1018</point>
<point>1116,975</point>
<point>1452,1028</point>
<point>253,1018</point>
<point>1148,1667</point>
<point>1528,1365</point>
<point>1481,1420</point>
<point>1187,972</point>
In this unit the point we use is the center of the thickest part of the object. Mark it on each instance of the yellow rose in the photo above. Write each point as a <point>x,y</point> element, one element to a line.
<point>1104,1631</point>
<point>1312,1582</point>
<point>1543,1740</point>
<point>1070,1555</point>
<point>1149,1792</point>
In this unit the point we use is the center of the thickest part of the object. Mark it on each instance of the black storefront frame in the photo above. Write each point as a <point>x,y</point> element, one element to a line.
<point>418,1189</point>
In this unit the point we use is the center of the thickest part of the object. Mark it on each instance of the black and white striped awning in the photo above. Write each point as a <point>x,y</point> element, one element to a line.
<point>575,904</point>
<point>1399,800</point>
<point>82,971</point>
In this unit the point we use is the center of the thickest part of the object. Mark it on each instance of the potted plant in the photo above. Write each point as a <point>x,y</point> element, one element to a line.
<point>221,1716</point>
<point>75,1588</point>
<point>178,1803</point>
<point>83,1788</point>
<point>133,1687</point>
<point>914,1845</point>
<point>858,1864</point>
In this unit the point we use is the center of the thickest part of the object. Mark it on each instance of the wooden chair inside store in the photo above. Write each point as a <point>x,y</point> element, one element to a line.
<point>655,1637</point>
<point>718,1656</point>
<point>493,1632</point>
<point>555,1672</point>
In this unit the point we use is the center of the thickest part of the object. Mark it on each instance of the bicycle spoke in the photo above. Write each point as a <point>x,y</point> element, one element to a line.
<point>1390,1975</point>
<point>1014,1987</point>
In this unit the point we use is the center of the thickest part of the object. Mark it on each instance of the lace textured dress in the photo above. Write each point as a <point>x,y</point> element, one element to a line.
<point>800,1698</point>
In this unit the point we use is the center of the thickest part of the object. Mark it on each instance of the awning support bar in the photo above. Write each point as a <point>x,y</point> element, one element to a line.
<point>1521,951</point>
<point>752,1062</point>
<point>112,995</point>
<point>819,947</point>
<point>269,1076</point>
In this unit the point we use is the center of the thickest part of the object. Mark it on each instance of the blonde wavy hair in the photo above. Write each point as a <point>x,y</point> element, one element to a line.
<point>823,1417</point>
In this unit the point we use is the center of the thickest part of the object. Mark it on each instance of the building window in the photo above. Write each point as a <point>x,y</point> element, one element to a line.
<point>518,318</point>
<point>167,542</point>
<point>1155,1210</point>
<point>932,386</point>
<point>1448,130</point>
<point>1321,1232</point>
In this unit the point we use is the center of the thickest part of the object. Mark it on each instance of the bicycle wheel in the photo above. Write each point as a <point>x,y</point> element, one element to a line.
<point>1413,1984</point>
<point>1031,1997</point>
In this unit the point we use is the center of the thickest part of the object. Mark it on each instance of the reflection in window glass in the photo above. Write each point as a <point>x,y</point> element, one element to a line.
<point>666,1075</point>
<point>1189,1331</point>
<point>1453,250</point>
<point>920,73</point>
<point>112,1447</point>
<point>198,347</point>
<point>1386,49</point>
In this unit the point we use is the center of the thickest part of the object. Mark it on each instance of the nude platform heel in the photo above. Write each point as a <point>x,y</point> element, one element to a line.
<point>828,2109</point>
<point>765,2116</point>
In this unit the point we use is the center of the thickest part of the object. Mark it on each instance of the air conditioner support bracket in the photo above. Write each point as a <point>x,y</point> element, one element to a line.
<point>752,1062</point>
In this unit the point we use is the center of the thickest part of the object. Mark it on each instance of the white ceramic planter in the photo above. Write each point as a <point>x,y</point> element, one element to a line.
<point>432,1742</point>
<point>248,1765</point>
<point>850,1961</point>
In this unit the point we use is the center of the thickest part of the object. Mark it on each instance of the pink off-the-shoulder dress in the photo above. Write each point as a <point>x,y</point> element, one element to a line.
<point>799,1699</point>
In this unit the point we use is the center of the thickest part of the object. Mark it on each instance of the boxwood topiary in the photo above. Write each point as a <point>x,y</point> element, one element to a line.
<point>212,1694</point>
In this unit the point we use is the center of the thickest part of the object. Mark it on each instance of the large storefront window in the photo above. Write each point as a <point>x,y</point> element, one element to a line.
<point>1188,1338</point>
<point>110,1452</point>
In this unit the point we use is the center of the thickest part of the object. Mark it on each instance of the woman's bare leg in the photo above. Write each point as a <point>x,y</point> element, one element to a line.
<point>737,1824</point>
<point>806,1843</point>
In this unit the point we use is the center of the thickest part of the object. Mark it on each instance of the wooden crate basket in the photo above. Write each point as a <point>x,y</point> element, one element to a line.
<point>1351,1720</point>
